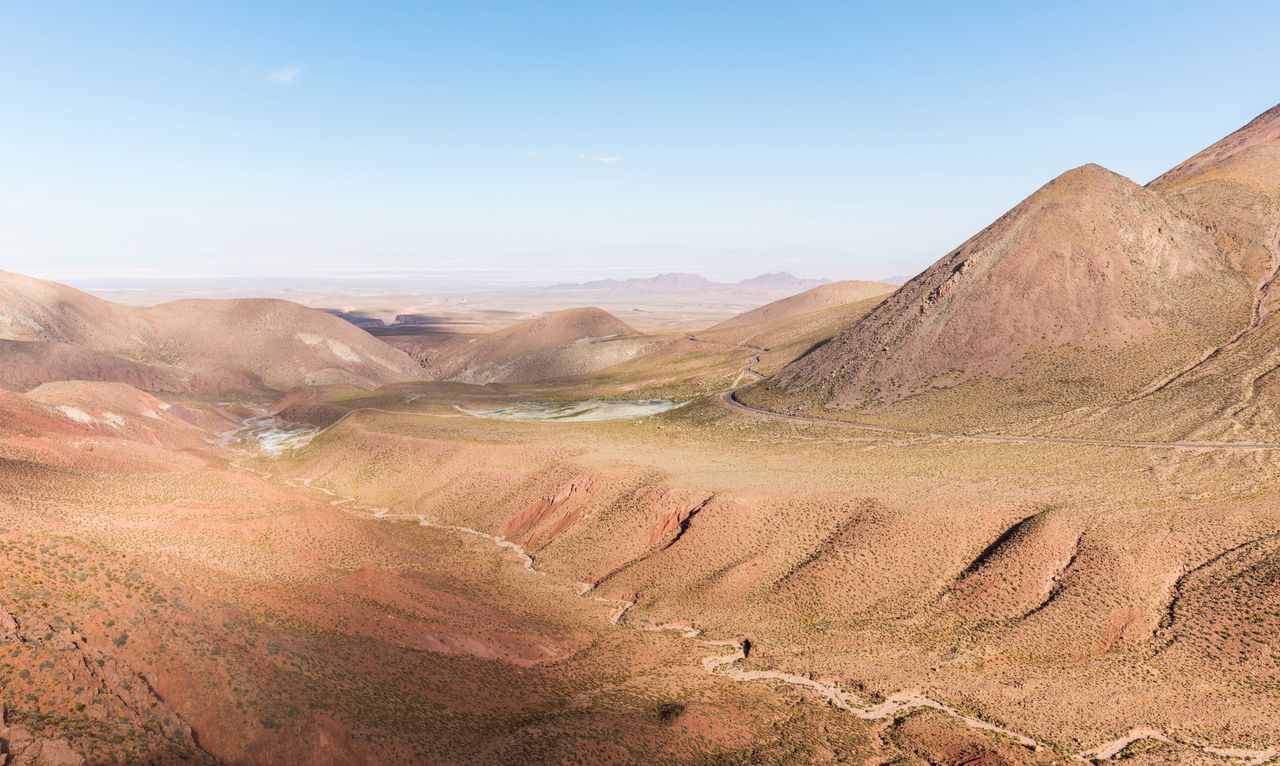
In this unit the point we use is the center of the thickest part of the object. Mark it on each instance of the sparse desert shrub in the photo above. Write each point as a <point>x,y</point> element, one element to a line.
<point>669,711</point>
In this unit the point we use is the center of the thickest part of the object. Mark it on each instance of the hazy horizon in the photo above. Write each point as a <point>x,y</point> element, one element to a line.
<point>392,281</point>
<point>440,278</point>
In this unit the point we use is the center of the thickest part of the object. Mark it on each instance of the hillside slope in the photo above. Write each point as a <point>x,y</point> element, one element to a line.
<point>807,302</point>
<point>36,310</point>
<point>208,346</point>
<point>559,343</point>
<point>273,344</point>
<point>1232,191</point>
<point>787,329</point>
<point>1090,263</point>
<point>26,364</point>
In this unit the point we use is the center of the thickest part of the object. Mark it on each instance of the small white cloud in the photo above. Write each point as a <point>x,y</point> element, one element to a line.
<point>285,76</point>
<point>603,159</point>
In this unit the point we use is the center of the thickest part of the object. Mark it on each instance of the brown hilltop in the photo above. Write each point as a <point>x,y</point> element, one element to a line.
<point>210,346</point>
<point>274,344</point>
<point>555,344</point>
<point>553,329</point>
<point>1090,261</point>
<point>36,310</point>
<point>807,302</point>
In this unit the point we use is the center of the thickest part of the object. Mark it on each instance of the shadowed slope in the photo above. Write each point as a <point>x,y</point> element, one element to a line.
<point>26,364</point>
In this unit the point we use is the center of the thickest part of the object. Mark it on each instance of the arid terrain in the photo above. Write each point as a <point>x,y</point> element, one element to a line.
<point>1022,509</point>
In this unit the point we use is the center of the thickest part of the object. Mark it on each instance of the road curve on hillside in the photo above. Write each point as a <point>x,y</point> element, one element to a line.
<point>729,400</point>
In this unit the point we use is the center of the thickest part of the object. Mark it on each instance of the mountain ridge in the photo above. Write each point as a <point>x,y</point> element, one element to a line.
<point>1081,296</point>
<point>216,345</point>
<point>688,281</point>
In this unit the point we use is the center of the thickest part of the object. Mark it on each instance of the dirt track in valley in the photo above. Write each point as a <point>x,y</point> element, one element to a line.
<point>892,707</point>
<point>730,401</point>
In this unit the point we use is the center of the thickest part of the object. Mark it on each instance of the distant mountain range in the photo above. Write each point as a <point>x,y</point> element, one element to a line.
<point>686,281</point>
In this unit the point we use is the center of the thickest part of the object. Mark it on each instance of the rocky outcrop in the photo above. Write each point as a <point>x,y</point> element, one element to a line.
<point>531,521</point>
<point>673,519</point>
<point>19,746</point>
<point>97,675</point>
<point>8,627</point>
<point>112,676</point>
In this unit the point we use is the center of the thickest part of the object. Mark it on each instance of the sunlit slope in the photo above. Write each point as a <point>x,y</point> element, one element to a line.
<point>206,346</point>
<point>1084,292</point>
<point>553,345</point>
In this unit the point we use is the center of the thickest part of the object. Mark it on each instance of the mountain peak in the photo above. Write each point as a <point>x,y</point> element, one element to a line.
<point>1091,260</point>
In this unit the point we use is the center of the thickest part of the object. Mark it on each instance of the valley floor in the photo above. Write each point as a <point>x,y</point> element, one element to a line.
<point>704,585</point>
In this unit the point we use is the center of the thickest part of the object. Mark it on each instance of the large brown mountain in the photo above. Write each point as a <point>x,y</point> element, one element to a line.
<point>209,346</point>
<point>1092,293</point>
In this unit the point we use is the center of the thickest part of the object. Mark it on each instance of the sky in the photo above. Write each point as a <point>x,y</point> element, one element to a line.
<point>523,142</point>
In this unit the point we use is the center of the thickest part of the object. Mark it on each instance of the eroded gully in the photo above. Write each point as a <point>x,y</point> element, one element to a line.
<point>727,664</point>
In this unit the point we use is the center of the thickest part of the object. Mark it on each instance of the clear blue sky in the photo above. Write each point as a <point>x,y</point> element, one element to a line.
<point>544,140</point>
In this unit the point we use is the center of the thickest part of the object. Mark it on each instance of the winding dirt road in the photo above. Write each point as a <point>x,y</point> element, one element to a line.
<point>729,400</point>
<point>891,708</point>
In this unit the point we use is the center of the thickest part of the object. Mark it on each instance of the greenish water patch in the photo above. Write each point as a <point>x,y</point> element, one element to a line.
<point>591,410</point>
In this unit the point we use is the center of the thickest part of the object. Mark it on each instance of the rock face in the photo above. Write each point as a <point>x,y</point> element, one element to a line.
<point>542,519</point>
<point>105,680</point>
<point>19,746</point>
<point>673,519</point>
<point>8,627</point>
<point>1090,261</point>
